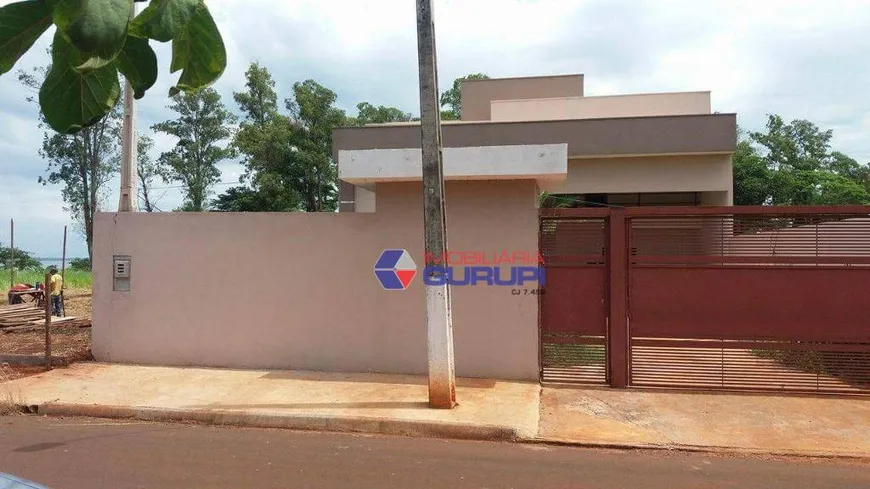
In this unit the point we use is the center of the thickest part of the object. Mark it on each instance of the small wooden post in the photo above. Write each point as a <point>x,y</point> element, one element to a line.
<point>63,259</point>
<point>63,273</point>
<point>11,253</point>
<point>47,300</point>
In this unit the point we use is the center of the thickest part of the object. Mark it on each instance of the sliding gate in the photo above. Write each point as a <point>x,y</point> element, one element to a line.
<point>750,299</point>
<point>734,298</point>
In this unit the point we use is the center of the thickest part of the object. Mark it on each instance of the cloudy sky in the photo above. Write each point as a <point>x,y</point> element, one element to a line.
<point>798,58</point>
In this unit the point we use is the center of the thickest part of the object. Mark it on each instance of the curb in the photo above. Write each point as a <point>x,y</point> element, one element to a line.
<point>463,431</point>
<point>712,449</point>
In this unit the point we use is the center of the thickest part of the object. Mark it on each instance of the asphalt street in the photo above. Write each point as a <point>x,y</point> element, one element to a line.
<point>88,454</point>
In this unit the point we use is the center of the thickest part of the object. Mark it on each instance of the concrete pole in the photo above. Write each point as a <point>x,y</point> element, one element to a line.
<point>439,319</point>
<point>129,201</point>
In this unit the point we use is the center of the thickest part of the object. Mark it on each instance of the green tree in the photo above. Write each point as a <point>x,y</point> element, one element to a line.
<point>202,129</point>
<point>244,199</point>
<point>313,116</point>
<point>370,114</point>
<point>148,171</point>
<point>452,98</point>
<point>23,259</point>
<point>264,141</point>
<point>83,163</point>
<point>752,177</point>
<point>834,189</point>
<point>260,102</point>
<point>83,264</point>
<point>792,164</point>
<point>96,40</point>
<point>288,156</point>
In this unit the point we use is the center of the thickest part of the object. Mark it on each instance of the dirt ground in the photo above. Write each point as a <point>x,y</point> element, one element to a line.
<point>73,343</point>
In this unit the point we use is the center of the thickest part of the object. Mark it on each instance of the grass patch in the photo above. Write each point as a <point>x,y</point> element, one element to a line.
<point>10,399</point>
<point>573,355</point>
<point>74,279</point>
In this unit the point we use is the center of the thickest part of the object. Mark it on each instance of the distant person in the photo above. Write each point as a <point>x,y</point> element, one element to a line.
<point>56,288</point>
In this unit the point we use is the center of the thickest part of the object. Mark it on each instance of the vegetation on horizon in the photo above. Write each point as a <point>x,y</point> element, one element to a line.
<point>73,279</point>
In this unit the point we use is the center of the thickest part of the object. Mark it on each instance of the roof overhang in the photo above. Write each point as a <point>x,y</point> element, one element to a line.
<point>541,162</point>
<point>657,135</point>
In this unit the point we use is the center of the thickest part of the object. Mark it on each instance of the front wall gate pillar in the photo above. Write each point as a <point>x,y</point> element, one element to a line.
<point>618,336</point>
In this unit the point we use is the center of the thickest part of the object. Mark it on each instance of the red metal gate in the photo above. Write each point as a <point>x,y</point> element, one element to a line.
<point>738,298</point>
<point>761,298</point>
<point>573,306</point>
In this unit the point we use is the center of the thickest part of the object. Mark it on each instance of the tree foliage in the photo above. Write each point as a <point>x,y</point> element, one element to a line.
<point>148,172</point>
<point>381,114</point>
<point>287,155</point>
<point>98,40</point>
<point>23,259</point>
<point>202,130</point>
<point>83,264</point>
<point>793,164</point>
<point>452,98</point>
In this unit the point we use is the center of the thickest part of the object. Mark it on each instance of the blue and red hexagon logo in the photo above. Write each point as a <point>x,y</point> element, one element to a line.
<point>395,269</point>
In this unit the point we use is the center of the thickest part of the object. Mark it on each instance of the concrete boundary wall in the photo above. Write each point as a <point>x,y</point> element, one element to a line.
<point>298,291</point>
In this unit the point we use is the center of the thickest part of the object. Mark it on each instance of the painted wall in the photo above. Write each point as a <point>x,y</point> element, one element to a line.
<point>365,198</point>
<point>477,95</point>
<point>297,291</point>
<point>565,108</point>
<point>689,173</point>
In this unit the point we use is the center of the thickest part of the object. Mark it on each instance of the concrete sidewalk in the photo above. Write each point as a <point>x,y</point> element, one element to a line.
<point>391,404</point>
<point>395,404</point>
<point>770,424</point>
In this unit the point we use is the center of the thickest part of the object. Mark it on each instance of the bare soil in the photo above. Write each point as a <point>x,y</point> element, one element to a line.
<point>73,343</point>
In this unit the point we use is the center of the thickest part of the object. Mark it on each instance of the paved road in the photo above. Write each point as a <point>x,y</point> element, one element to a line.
<point>83,453</point>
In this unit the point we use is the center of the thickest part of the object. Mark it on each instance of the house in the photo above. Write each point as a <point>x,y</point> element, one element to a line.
<point>625,150</point>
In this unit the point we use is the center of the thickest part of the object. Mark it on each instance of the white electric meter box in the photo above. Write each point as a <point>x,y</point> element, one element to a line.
<point>121,265</point>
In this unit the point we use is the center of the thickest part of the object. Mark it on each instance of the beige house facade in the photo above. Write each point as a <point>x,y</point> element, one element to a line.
<point>298,291</point>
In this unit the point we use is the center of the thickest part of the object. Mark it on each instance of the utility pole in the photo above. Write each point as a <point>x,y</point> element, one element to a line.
<point>129,201</point>
<point>439,317</point>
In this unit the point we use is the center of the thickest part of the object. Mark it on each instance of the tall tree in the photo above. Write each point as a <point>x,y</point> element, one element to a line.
<point>288,156</point>
<point>260,102</point>
<point>148,171</point>
<point>202,129</point>
<point>452,98</point>
<point>792,164</point>
<point>83,163</point>
<point>264,141</point>
<point>313,116</point>
<point>752,177</point>
<point>381,114</point>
